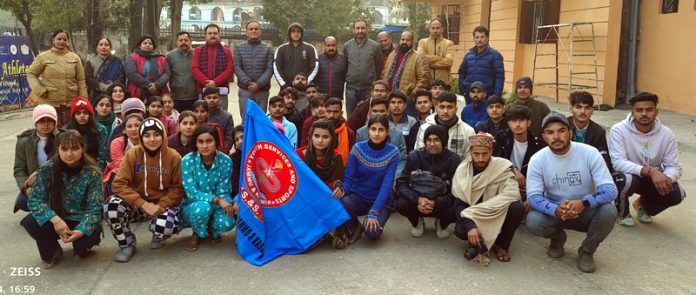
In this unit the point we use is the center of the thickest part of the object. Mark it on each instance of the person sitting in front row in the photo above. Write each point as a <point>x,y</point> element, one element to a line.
<point>147,187</point>
<point>65,202</point>
<point>207,206</point>
<point>488,204</point>
<point>368,181</point>
<point>415,201</point>
<point>645,153</point>
<point>569,187</point>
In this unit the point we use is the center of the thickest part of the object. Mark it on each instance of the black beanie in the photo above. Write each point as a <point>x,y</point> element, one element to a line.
<point>439,131</point>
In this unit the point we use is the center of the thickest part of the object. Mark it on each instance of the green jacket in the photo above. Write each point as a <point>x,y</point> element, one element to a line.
<point>25,155</point>
<point>181,83</point>
<point>81,198</point>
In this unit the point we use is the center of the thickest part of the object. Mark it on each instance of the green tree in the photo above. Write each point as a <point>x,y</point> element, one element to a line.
<point>23,11</point>
<point>324,17</point>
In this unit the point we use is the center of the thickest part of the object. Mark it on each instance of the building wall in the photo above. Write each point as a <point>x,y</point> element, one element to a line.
<point>666,59</point>
<point>606,36</point>
<point>503,28</point>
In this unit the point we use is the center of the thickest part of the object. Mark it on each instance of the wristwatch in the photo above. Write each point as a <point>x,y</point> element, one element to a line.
<point>586,203</point>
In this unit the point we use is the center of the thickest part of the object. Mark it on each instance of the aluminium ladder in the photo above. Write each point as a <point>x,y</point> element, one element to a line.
<point>578,49</point>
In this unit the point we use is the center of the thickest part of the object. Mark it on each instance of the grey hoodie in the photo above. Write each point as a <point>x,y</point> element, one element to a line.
<point>631,150</point>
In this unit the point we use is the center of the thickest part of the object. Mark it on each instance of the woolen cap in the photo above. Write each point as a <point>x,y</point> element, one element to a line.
<point>44,111</point>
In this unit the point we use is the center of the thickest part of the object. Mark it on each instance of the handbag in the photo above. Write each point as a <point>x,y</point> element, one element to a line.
<point>427,184</point>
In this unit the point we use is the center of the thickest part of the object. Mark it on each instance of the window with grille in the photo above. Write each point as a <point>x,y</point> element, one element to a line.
<point>670,6</point>
<point>451,15</point>
<point>538,13</point>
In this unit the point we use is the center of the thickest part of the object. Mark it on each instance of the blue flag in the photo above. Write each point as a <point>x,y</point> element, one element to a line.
<point>285,208</point>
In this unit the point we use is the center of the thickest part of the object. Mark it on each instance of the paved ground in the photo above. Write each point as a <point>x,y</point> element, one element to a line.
<point>647,259</point>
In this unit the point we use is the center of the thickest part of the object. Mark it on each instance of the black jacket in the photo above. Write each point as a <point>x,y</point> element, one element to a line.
<point>443,165</point>
<point>596,137</point>
<point>505,143</point>
<point>332,74</point>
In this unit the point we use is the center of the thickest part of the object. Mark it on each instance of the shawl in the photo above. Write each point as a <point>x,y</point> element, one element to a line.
<point>496,185</point>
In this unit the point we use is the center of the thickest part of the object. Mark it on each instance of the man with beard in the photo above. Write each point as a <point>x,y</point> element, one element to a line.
<point>584,129</point>
<point>405,69</point>
<point>358,118</point>
<point>438,51</point>
<point>380,106</point>
<point>482,63</point>
<point>332,69</point>
<point>289,96</point>
<point>569,187</point>
<point>364,63</point>
<point>295,56</point>
<point>446,115</point>
<point>398,119</point>
<point>477,110</point>
<point>345,135</point>
<point>181,83</point>
<point>645,154</point>
<point>254,68</point>
<point>211,64</point>
<point>487,202</point>
<point>414,204</point>
<point>386,45</point>
<point>539,109</point>
<point>299,82</point>
<point>276,110</point>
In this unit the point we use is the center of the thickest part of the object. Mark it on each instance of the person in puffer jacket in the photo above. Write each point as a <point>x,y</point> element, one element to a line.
<point>482,63</point>
<point>253,67</point>
<point>295,56</point>
<point>147,187</point>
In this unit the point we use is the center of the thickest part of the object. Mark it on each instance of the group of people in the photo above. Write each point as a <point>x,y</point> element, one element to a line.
<point>169,154</point>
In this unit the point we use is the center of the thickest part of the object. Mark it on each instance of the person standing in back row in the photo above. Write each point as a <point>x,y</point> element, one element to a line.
<point>437,51</point>
<point>254,68</point>
<point>295,56</point>
<point>482,63</point>
<point>364,63</point>
<point>212,64</point>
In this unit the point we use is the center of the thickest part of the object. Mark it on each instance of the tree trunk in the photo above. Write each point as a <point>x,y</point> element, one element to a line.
<point>95,24</point>
<point>136,23</point>
<point>175,15</point>
<point>150,25</point>
<point>25,17</point>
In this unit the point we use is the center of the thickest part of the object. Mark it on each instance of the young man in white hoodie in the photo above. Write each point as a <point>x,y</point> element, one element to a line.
<point>645,153</point>
<point>446,115</point>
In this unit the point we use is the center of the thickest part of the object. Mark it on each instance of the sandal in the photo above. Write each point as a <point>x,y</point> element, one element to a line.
<point>339,237</point>
<point>501,254</point>
<point>193,243</point>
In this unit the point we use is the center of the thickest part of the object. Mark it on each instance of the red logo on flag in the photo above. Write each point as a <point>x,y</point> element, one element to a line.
<point>270,175</point>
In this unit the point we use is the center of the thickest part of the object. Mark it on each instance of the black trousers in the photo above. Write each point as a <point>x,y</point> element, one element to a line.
<point>513,219</point>
<point>183,105</point>
<point>652,202</point>
<point>410,210</point>
<point>47,239</point>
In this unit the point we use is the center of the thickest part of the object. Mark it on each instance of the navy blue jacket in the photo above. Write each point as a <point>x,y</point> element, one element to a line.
<point>486,67</point>
<point>253,62</point>
<point>332,75</point>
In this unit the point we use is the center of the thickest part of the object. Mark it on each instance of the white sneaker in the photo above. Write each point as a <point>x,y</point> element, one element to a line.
<point>627,221</point>
<point>442,233</point>
<point>417,231</point>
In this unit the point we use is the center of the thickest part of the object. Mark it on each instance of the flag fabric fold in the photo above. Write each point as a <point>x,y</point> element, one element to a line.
<point>284,207</point>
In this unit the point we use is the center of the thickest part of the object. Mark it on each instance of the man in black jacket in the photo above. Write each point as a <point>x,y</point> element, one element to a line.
<point>295,56</point>
<point>584,129</point>
<point>440,162</point>
<point>332,69</point>
<point>518,144</point>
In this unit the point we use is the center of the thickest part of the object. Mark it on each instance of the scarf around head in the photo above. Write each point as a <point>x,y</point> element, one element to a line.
<point>332,169</point>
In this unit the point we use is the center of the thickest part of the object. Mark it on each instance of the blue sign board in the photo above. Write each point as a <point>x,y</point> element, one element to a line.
<point>15,58</point>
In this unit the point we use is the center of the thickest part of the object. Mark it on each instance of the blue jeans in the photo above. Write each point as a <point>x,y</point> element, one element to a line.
<point>596,222</point>
<point>355,95</point>
<point>358,207</point>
